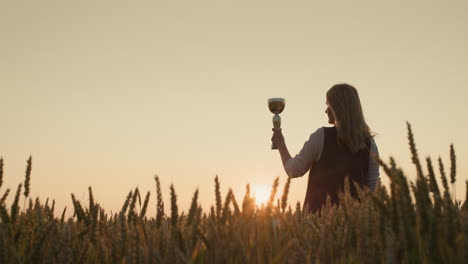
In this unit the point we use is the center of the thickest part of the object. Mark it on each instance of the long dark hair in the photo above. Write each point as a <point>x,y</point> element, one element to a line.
<point>352,129</point>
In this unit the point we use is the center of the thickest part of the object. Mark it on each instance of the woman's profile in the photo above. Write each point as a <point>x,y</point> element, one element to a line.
<point>333,153</point>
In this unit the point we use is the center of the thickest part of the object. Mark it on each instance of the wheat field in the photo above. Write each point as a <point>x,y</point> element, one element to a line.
<point>406,222</point>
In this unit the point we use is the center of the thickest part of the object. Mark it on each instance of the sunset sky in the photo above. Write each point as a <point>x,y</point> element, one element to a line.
<point>108,94</point>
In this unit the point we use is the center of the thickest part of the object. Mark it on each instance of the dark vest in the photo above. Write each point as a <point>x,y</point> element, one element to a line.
<point>326,176</point>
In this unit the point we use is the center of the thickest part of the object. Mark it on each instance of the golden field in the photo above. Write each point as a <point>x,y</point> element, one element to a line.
<point>406,222</point>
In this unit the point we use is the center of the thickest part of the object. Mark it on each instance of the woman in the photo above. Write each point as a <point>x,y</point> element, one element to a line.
<point>332,153</point>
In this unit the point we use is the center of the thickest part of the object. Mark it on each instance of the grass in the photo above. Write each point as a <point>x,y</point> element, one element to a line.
<point>408,222</point>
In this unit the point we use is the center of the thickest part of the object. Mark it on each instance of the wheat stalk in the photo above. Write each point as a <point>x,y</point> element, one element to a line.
<point>284,197</point>
<point>453,169</point>
<point>432,180</point>
<point>1,171</point>
<point>443,178</point>
<point>145,205</point>
<point>218,197</point>
<point>193,208</point>
<point>14,207</point>
<point>160,203</point>
<point>28,178</point>
<point>174,209</point>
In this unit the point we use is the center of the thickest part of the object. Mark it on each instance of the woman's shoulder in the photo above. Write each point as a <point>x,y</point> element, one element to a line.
<point>318,134</point>
<point>326,130</point>
<point>373,145</point>
<point>319,130</point>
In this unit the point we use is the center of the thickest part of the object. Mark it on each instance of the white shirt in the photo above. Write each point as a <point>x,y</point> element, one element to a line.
<point>312,151</point>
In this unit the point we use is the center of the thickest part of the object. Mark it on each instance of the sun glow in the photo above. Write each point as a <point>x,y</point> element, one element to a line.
<point>261,193</point>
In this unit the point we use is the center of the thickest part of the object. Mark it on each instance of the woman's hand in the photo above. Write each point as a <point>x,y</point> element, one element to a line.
<point>277,139</point>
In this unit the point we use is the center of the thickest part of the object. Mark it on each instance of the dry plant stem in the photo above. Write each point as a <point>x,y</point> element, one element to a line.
<point>174,209</point>
<point>160,203</point>
<point>27,179</point>
<point>1,171</point>
<point>218,197</point>
<point>453,171</point>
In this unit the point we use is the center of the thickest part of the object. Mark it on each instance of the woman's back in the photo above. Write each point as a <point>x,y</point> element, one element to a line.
<point>327,175</point>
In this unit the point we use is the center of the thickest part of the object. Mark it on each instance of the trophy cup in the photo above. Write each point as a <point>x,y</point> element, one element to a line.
<point>276,106</point>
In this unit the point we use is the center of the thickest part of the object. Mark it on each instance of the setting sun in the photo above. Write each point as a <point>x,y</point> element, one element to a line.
<point>261,192</point>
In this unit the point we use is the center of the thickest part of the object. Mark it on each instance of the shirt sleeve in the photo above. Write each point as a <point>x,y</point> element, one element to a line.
<point>374,175</point>
<point>311,152</point>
